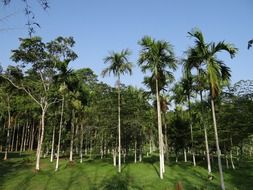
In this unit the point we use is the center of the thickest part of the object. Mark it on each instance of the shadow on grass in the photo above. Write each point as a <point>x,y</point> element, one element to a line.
<point>15,162</point>
<point>120,182</point>
<point>242,176</point>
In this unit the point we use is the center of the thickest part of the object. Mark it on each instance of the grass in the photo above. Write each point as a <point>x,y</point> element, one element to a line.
<point>18,173</point>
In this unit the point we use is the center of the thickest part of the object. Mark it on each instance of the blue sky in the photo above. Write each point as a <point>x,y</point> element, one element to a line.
<point>99,27</point>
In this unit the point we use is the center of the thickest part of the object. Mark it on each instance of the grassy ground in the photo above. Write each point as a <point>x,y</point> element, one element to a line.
<point>18,173</point>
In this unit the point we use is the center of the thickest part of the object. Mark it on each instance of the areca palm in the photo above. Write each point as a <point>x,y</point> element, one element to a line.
<point>203,55</point>
<point>157,57</point>
<point>119,64</point>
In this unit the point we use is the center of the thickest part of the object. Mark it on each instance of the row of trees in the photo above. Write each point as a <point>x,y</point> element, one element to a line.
<point>66,111</point>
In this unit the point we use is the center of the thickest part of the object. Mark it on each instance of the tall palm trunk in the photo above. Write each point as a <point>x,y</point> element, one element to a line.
<point>81,144</point>
<point>52,146</point>
<point>72,136</point>
<point>8,131</point>
<point>206,138</point>
<point>161,156</point>
<point>119,129</point>
<point>59,138</point>
<point>40,139</point>
<point>217,145</point>
<point>193,150</point>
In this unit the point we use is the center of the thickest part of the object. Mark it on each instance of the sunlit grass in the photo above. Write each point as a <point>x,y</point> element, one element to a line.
<point>18,173</point>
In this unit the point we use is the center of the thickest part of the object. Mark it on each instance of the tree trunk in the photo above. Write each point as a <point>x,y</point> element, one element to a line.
<point>81,145</point>
<point>140,154</point>
<point>217,145</point>
<point>227,165</point>
<point>59,138</point>
<point>26,129</point>
<point>159,131</point>
<point>32,136</point>
<point>76,135</point>
<point>231,160</point>
<point>185,155</point>
<point>192,143</point>
<point>114,154</point>
<point>90,145</point>
<point>52,146</point>
<point>206,138</point>
<point>150,146</point>
<point>207,152</point>
<point>17,138</point>
<point>135,151</point>
<point>72,136</point>
<point>119,129</point>
<point>8,130</point>
<point>22,139</point>
<point>231,154</point>
<point>13,136</point>
<point>40,141</point>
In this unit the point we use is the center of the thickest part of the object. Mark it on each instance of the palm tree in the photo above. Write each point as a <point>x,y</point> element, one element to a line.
<point>217,73</point>
<point>200,84</point>
<point>157,57</point>
<point>119,64</point>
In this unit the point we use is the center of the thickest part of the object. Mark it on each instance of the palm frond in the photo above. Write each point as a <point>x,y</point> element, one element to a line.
<point>223,46</point>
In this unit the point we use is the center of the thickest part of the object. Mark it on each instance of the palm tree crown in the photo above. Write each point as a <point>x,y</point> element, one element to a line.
<point>119,63</point>
<point>157,57</point>
<point>204,55</point>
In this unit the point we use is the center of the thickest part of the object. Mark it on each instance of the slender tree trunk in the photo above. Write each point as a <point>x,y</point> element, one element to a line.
<point>206,137</point>
<point>59,138</point>
<point>159,131</point>
<point>231,160</point>
<point>207,152</point>
<point>150,146</point>
<point>81,145</point>
<point>185,155</point>
<point>227,165</point>
<point>192,143</point>
<point>119,129</point>
<point>231,154</point>
<point>22,139</point>
<point>114,154</point>
<point>72,136</point>
<point>32,136</point>
<point>124,156</point>
<point>41,137</point>
<point>17,139</point>
<point>8,130</point>
<point>29,137</point>
<point>52,146</point>
<point>135,151</point>
<point>140,154</point>
<point>217,146</point>
<point>76,134</point>
<point>26,129</point>
<point>90,145</point>
<point>13,136</point>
